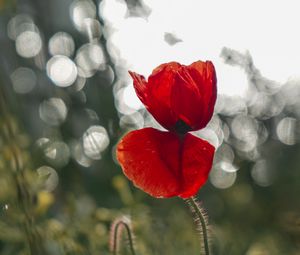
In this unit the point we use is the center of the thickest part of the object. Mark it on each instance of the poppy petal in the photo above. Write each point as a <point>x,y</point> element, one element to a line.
<point>163,164</point>
<point>160,84</point>
<point>197,159</point>
<point>140,86</point>
<point>186,100</point>
<point>149,158</point>
<point>204,75</point>
<point>166,67</point>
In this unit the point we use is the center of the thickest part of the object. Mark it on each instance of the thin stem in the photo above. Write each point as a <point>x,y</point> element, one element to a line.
<point>196,208</point>
<point>117,231</point>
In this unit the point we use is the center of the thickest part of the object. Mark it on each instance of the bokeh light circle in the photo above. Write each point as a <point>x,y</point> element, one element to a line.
<point>81,10</point>
<point>23,80</point>
<point>89,59</point>
<point>28,44</point>
<point>95,140</point>
<point>49,177</point>
<point>57,153</point>
<point>221,178</point>
<point>286,130</point>
<point>62,70</point>
<point>53,111</point>
<point>61,43</point>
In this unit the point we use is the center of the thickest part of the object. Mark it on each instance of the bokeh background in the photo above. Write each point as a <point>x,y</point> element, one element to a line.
<point>66,99</point>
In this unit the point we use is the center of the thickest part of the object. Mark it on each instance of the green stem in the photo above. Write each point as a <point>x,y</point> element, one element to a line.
<point>195,208</point>
<point>116,238</point>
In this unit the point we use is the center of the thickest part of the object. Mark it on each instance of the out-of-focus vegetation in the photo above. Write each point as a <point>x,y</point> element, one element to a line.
<point>64,103</point>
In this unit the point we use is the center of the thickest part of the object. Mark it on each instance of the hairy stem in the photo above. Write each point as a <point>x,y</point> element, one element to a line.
<point>117,228</point>
<point>201,218</point>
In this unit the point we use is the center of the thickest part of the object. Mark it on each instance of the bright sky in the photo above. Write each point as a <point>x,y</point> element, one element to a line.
<point>268,29</point>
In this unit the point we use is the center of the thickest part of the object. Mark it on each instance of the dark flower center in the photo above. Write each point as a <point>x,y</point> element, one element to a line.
<point>181,127</point>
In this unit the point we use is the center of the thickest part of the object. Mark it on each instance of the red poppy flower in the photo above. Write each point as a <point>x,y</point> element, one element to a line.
<point>181,98</point>
<point>165,164</point>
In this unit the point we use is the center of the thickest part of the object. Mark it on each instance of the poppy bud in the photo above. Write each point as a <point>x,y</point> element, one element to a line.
<point>181,98</point>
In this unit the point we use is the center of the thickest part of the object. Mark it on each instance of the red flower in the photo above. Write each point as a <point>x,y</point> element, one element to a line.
<point>181,98</point>
<point>164,164</point>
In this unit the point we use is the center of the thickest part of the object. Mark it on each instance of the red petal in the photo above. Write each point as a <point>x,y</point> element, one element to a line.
<point>166,67</point>
<point>160,84</point>
<point>149,158</point>
<point>204,75</point>
<point>197,162</point>
<point>140,86</point>
<point>164,165</point>
<point>186,100</point>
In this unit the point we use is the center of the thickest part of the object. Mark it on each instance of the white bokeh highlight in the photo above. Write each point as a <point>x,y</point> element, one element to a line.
<point>138,44</point>
<point>61,70</point>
